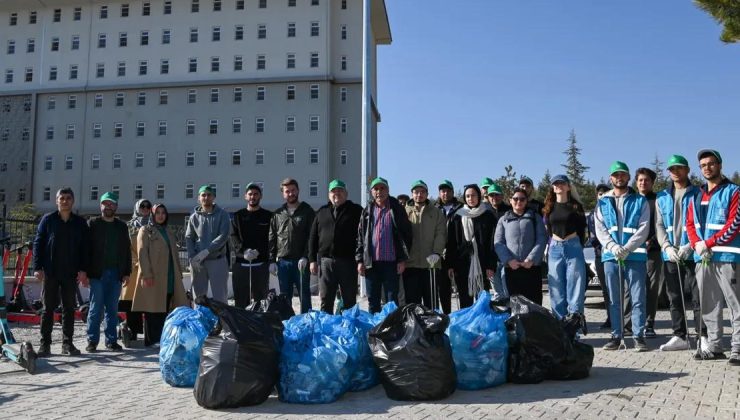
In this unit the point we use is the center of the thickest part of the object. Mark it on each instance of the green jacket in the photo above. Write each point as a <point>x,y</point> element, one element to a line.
<point>288,237</point>
<point>429,233</point>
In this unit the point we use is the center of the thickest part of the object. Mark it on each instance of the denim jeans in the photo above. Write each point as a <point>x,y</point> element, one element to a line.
<point>633,274</point>
<point>566,277</point>
<point>104,294</point>
<point>288,275</point>
<point>382,275</point>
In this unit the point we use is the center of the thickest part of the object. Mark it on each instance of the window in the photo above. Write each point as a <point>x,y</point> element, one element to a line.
<point>235,187</point>
<point>140,128</point>
<point>118,129</point>
<point>261,31</point>
<point>344,31</point>
<point>102,40</point>
<point>57,17</point>
<point>313,156</point>
<point>259,125</point>
<point>166,36</point>
<point>262,4</point>
<point>53,73</point>
<point>236,157</point>
<point>161,159</point>
<point>194,6</point>
<point>115,188</point>
<point>139,160</point>
<point>160,192</point>
<point>2,195</point>
<point>51,103</point>
<point>239,4</point>
<point>344,62</point>
<point>214,94</point>
<point>103,12</point>
<point>163,97</point>
<point>116,161</point>
<point>13,19</point>
<point>290,63</point>
<point>213,127</point>
<point>260,93</point>
<point>122,39</point>
<point>141,98</point>
<point>55,43</point>
<point>238,63</point>
<point>25,134</point>
<point>70,131</point>
<point>259,157</point>
<point>162,128</point>
<point>121,69</point>
<point>343,94</point>
<point>313,189</point>
<point>313,123</point>
<point>49,133</point>
<point>193,34</point>
<point>192,95</point>
<point>238,94</point>
<point>314,2</point>
<point>216,34</point>
<point>343,125</point>
<point>95,161</point>
<point>342,157</point>
<point>190,127</point>
<point>192,65</point>
<point>32,18</point>
<point>291,30</point>
<point>261,62</point>
<point>138,192</point>
<point>144,38</point>
<point>212,158</point>
<point>72,101</point>
<point>290,156</point>
<point>93,193</point>
<point>164,66</point>
<point>314,28</point>
<point>100,70</point>
<point>98,100</point>
<point>314,59</point>
<point>124,10</point>
<point>73,72</point>
<point>11,47</point>
<point>143,67</point>
<point>3,166</point>
<point>75,42</point>
<point>9,76</point>
<point>47,194</point>
<point>27,104</point>
<point>68,163</point>
<point>290,124</point>
<point>146,9</point>
<point>31,45</point>
<point>119,98</point>
<point>236,125</point>
<point>291,3</point>
<point>239,32</point>
<point>216,5</point>
<point>188,190</point>
<point>167,8</point>
<point>314,91</point>
<point>344,4</point>
<point>189,159</point>
<point>215,64</point>
<point>97,130</point>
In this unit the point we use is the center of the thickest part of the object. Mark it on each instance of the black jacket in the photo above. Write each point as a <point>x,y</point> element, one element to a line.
<point>43,243</point>
<point>334,238</point>
<point>251,229</point>
<point>98,245</point>
<point>459,250</point>
<point>455,206</point>
<point>288,236</point>
<point>501,210</point>
<point>402,236</point>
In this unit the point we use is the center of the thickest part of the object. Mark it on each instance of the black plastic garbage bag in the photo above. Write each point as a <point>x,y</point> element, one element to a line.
<point>239,367</point>
<point>578,362</point>
<point>413,354</point>
<point>274,302</point>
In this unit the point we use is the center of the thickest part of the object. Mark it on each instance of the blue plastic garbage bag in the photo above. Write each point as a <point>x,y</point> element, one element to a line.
<point>480,348</point>
<point>314,368</point>
<point>365,373</point>
<point>386,310</point>
<point>207,317</point>
<point>179,351</point>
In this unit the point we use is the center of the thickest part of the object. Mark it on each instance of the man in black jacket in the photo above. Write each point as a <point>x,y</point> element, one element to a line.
<point>250,228</point>
<point>383,241</point>
<point>110,266</point>
<point>331,247</point>
<point>447,202</point>
<point>59,261</point>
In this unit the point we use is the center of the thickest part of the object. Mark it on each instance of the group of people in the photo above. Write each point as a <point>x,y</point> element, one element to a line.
<point>417,248</point>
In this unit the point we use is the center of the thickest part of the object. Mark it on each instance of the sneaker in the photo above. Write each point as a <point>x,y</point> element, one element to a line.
<point>605,326</point>
<point>91,347</point>
<point>70,350</point>
<point>640,344</point>
<point>734,359</point>
<point>612,344</point>
<point>675,343</point>
<point>113,346</point>
<point>44,350</point>
<point>703,352</point>
<point>650,332</point>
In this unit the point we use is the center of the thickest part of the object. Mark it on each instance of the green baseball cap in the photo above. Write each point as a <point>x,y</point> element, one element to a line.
<point>206,188</point>
<point>446,183</point>
<point>709,152</point>
<point>618,166</point>
<point>495,189</point>
<point>109,196</point>
<point>337,183</point>
<point>377,181</point>
<point>419,183</point>
<point>485,182</point>
<point>677,160</point>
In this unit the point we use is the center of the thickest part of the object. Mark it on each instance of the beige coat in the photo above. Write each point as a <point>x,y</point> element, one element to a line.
<point>429,230</point>
<point>127,292</point>
<point>153,263</point>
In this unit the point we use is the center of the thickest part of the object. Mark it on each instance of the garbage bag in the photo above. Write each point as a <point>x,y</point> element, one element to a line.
<point>480,346</point>
<point>314,367</point>
<point>386,310</point>
<point>179,351</point>
<point>274,302</point>
<point>207,317</point>
<point>538,341</point>
<point>364,372</point>
<point>580,357</point>
<point>413,354</point>
<point>239,367</point>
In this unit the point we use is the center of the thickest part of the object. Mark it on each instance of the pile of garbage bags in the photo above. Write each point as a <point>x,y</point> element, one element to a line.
<point>274,302</point>
<point>183,334</point>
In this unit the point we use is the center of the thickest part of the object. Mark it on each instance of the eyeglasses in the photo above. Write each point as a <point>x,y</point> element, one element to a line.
<point>518,198</point>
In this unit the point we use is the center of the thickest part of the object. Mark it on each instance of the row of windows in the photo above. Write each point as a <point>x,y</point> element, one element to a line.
<point>142,68</point>
<point>146,10</point>
<point>25,134</point>
<point>166,37</point>
<point>7,104</point>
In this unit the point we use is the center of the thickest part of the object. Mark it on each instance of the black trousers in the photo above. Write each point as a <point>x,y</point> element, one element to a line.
<point>246,291</point>
<point>417,284</point>
<point>133,318</point>
<point>461,282</point>
<point>153,325</point>
<point>444,288</point>
<point>690,293</point>
<point>526,282</point>
<point>337,273</point>
<point>54,289</point>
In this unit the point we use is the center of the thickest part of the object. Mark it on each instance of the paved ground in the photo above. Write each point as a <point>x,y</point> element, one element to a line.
<point>622,385</point>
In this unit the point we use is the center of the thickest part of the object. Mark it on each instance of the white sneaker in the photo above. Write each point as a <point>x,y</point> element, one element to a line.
<point>675,343</point>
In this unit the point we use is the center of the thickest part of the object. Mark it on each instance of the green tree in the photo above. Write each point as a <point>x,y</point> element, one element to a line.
<point>661,181</point>
<point>588,195</point>
<point>508,181</point>
<point>573,166</point>
<point>726,13</point>
<point>696,180</point>
<point>736,177</point>
<point>544,185</point>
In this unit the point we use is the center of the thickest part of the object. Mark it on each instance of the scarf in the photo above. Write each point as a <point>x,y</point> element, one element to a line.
<point>475,273</point>
<point>138,221</point>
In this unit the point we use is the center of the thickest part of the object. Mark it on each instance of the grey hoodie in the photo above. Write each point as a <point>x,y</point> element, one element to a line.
<point>208,231</point>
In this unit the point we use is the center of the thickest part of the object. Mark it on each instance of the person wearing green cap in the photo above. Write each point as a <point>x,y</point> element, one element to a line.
<point>622,223</point>
<point>677,255</point>
<point>60,257</point>
<point>485,183</point>
<point>109,268</point>
<point>713,228</point>
<point>495,197</point>
<point>449,205</point>
<point>331,247</point>
<point>383,243</point>
<point>206,238</point>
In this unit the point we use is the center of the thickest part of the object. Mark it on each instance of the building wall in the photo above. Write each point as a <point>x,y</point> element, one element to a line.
<point>16,131</point>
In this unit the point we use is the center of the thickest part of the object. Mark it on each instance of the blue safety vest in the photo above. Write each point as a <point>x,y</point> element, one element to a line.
<point>665,205</point>
<point>717,209</point>
<point>631,212</point>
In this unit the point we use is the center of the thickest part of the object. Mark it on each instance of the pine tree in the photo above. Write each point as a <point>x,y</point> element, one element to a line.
<point>544,185</point>
<point>736,177</point>
<point>725,12</point>
<point>661,181</point>
<point>573,166</point>
<point>588,195</point>
<point>508,182</point>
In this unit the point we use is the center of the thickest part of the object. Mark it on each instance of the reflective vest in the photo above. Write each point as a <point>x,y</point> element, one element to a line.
<point>718,207</point>
<point>666,206</point>
<point>631,212</point>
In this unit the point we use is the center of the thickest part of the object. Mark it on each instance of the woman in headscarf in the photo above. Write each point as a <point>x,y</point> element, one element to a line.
<point>133,326</point>
<point>158,287</point>
<point>470,247</point>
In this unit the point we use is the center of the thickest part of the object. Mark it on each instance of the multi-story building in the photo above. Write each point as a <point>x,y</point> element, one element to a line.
<point>155,98</point>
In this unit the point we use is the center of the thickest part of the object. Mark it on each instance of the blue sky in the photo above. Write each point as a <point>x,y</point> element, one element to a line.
<point>470,86</point>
